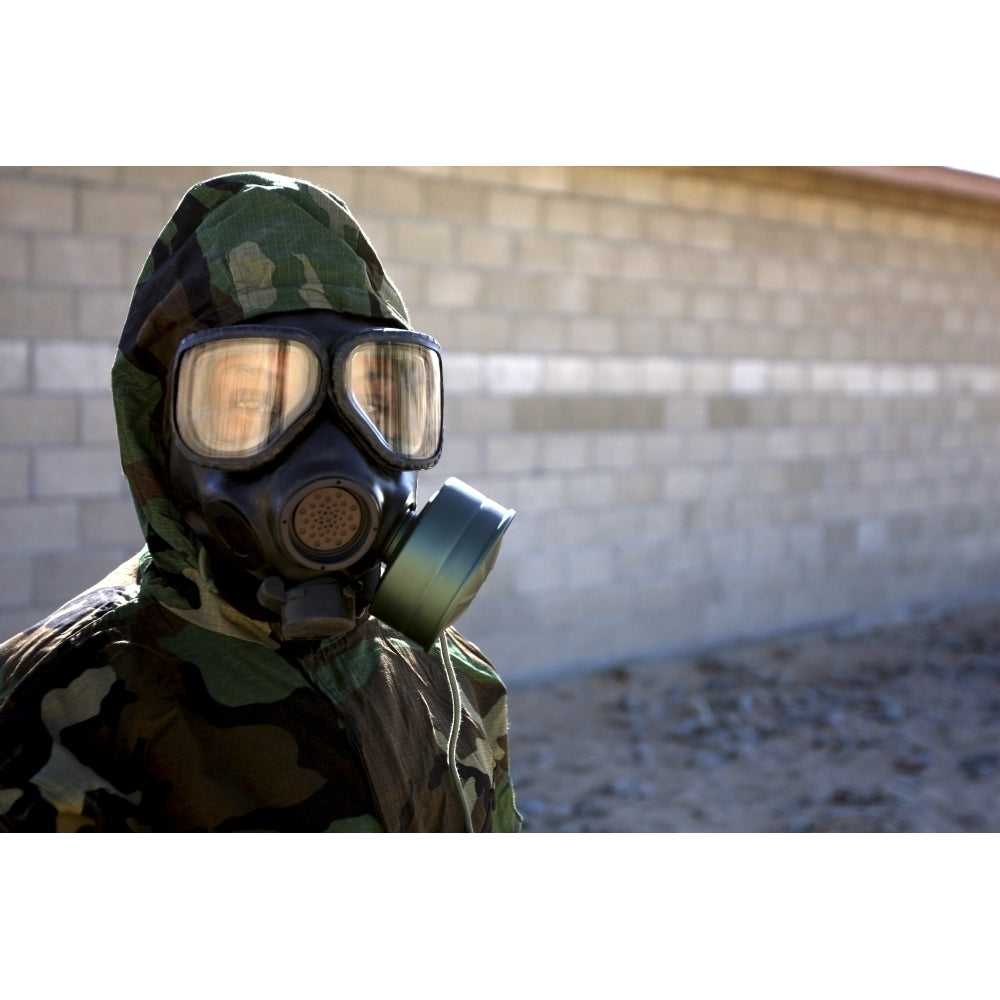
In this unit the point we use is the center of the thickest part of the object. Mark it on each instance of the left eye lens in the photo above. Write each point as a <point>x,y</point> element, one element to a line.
<point>235,397</point>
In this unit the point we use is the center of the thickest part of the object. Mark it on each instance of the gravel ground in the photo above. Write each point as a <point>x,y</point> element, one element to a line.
<point>892,728</point>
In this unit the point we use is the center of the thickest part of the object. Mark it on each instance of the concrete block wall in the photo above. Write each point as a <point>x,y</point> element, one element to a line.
<point>725,402</point>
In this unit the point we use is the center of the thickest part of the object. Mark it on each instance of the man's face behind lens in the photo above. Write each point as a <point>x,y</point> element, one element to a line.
<point>243,393</point>
<point>390,384</point>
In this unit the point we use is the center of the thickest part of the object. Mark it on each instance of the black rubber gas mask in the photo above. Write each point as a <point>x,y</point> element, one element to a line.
<point>295,446</point>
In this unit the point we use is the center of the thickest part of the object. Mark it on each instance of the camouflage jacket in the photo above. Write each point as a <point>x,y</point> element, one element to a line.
<point>149,702</point>
<point>117,714</point>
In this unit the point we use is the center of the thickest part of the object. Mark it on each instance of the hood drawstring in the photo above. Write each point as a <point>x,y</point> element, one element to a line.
<point>456,722</point>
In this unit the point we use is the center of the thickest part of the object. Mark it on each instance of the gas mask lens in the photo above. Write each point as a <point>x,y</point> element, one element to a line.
<point>395,387</point>
<point>236,397</point>
<point>240,394</point>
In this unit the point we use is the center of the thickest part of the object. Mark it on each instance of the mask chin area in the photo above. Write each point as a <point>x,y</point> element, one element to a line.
<point>437,560</point>
<point>316,609</point>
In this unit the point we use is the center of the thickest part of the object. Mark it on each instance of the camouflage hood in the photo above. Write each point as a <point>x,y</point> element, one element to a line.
<point>238,246</point>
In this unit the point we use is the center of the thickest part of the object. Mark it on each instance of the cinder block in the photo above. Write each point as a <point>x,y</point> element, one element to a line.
<point>774,203</point>
<point>464,374</point>
<point>641,261</point>
<point>709,447</point>
<point>691,192</point>
<point>342,181</point>
<point>101,314</point>
<point>684,483</point>
<point>481,415</point>
<point>76,173</point>
<point>708,376</point>
<point>388,192</point>
<point>571,293</point>
<point>568,215</point>
<point>490,248</point>
<point>97,421</point>
<point>514,374</point>
<point>594,413</point>
<point>73,366</point>
<point>13,257</point>
<point>16,583</point>
<point>545,178</point>
<point>661,448</point>
<point>480,175</point>
<point>35,206</point>
<point>594,256</point>
<point>602,182</point>
<point>77,260</point>
<point>454,201</point>
<point>33,312</point>
<point>662,300</point>
<point>685,412</point>
<point>711,304</point>
<point>454,288</point>
<point>27,420</point>
<point>620,221</point>
<point>14,480</point>
<point>38,526</point>
<point>590,489</point>
<point>906,528</point>
<point>512,292</point>
<point>615,449</point>
<point>540,333</point>
<point>477,331</point>
<point>613,297</point>
<point>535,575</point>
<point>873,535</point>
<point>590,565</point>
<point>593,334</point>
<point>637,487</point>
<point>77,472</point>
<point>110,521</point>
<point>785,443</point>
<point>667,226</point>
<point>543,252</point>
<point>173,179</point>
<point>464,453</point>
<point>13,366</point>
<point>712,232</point>
<point>513,209</point>
<point>541,491</point>
<point>773,274</point>
<point>426,240</point>
<point>803,475</point>
<point>119,212</point>
<point>565,451</point>
<point>506,453</point>
<point>646,184</point>
<point>840,540</point>
<point>60,576</point>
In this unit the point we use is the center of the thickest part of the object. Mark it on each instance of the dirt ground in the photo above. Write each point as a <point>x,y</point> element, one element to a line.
<point>890,728</point>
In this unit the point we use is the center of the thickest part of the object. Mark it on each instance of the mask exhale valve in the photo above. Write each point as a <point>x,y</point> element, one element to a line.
<point>437,560</point>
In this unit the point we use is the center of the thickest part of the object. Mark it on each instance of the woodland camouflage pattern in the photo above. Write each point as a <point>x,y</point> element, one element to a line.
<point>149,702</point>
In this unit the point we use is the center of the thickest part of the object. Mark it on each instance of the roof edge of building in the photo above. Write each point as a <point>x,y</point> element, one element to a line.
<point>947,180</point>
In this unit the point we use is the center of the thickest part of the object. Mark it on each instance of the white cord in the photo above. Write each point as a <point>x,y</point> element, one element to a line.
<point>456,722</point>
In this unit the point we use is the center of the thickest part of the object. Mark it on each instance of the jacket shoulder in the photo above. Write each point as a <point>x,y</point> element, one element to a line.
<point>67,628</point>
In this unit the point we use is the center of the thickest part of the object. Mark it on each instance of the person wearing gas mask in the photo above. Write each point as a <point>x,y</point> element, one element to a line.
<point>280,655</point>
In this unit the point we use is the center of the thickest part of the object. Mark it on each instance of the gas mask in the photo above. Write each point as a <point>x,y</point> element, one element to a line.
<point>295,446</point>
